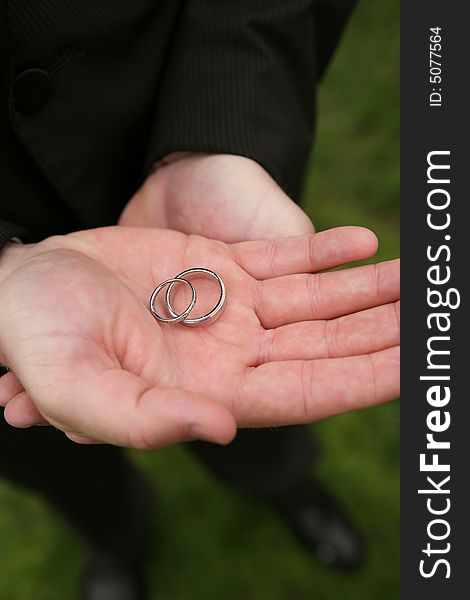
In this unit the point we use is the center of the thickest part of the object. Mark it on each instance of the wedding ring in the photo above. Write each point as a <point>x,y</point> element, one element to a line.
<point>213,314</point>
<point>175,318</point>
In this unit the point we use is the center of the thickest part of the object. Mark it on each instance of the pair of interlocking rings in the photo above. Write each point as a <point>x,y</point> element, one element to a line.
<point>183,317</point>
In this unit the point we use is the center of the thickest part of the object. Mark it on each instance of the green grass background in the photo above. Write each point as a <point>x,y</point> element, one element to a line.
<point>210,543</point>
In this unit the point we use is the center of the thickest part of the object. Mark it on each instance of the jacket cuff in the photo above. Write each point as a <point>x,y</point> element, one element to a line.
<point>8,231</point>
<point>241,79</point>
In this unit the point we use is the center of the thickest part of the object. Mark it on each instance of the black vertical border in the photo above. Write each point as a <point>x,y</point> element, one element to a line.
<point>424,129</point>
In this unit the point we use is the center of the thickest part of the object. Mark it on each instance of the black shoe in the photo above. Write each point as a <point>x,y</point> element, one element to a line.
<point>321,525</point>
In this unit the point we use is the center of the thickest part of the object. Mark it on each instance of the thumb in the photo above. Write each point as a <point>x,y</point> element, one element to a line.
<point>278,216</point>
<point>120,408</point>
<point>267,210</point>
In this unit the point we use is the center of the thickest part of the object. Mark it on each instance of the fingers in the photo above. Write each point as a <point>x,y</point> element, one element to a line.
<point>360,333</point>
<point>305,254</point>
<point>21,412</point>
<point>302,391</point>
<point>120,408</point>
<point>9,387</point>
<point>326,295</point>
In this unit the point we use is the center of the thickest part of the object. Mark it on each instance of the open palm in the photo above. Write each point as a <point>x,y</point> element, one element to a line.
<point>290,347</point>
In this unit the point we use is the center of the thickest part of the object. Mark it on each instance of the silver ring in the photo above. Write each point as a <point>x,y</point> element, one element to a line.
<point>176,317</point>
<point>213,314</point>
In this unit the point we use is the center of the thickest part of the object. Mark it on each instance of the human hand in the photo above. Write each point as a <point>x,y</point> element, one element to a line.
<point>291,347</point>
<point>220,196</point>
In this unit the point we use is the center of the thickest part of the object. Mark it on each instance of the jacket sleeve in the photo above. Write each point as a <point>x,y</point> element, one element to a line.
<point>9,231</point>
<point>241,78</point>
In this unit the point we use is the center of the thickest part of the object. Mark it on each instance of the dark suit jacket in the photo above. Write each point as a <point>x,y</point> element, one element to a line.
<point>93,92</point>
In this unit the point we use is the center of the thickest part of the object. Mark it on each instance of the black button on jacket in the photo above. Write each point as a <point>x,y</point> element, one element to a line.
<point>93,92</point>
<point>31,90</point>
